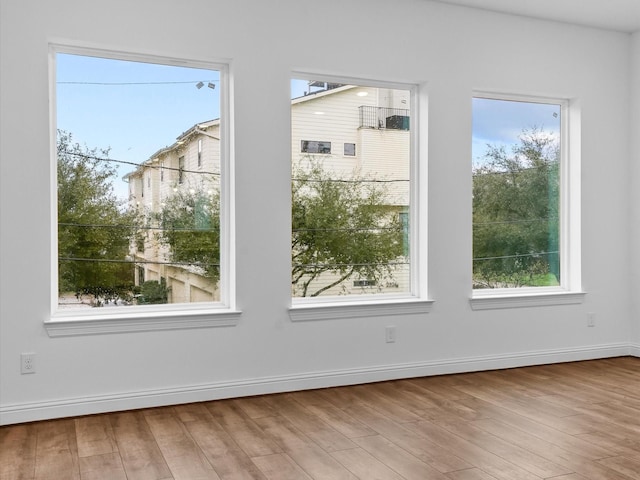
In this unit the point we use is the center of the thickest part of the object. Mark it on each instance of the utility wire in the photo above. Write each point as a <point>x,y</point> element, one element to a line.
<point>516,256</point>
<point>135,227</point>
<point>133,262</point>
<point>513,172</point>
<point>138,83</point>
<point>184,170</point>
<point>125,162</point>
<point>511,222</point>
<point>340,180</point>
<point>351,229</point>
<point>338,265</point>
<point>172,229</point>
<point>155,262</point>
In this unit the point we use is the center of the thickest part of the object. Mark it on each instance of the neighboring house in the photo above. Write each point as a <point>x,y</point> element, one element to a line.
<point>363,130</point>
<point>347,128</point>
<point>189,164</point>
<point>357,128</point>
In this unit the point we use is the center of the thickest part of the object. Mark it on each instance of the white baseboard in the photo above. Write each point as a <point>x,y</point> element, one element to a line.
<point>68,407</point>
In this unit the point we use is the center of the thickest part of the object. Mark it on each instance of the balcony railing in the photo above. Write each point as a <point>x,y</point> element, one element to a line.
<point>383,117</point>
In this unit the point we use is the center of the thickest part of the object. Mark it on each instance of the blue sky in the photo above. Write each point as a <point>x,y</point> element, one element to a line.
<point>134,108</point>
<point>500,122</point>
<point>137,108</point>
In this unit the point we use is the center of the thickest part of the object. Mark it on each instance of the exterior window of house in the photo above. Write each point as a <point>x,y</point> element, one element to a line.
<point>113,249</point>
<point>349,233</point>
<point>350,149</point>
<point>520,181</point>
<point>312,146</point>
<point>181,170</point>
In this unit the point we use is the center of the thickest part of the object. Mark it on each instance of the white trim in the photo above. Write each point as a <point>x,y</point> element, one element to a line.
<point>511,298</point>
<point>570,183</point>
<point>64,326</point>
<point>161,317</point>
<point>89,49</point>
<point>65,407</point>
<point>339,310</point>
<point>354,305</point>
<point>634,350</point>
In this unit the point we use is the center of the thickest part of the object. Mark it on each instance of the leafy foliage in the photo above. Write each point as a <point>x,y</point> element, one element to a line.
<point>153,292</point>
<point>190,221</point>
<point>94,228</point>
<point>515,214</point>
<point>342,227</point>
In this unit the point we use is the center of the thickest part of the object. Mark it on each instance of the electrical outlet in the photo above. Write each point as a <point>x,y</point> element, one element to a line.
<point>27,363</point>
<point>591,319</point>
<point>390,334</point>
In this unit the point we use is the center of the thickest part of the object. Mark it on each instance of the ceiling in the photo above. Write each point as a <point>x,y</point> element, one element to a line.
<point>618,15</point>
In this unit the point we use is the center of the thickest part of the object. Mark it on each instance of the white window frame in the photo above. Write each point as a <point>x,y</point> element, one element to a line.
<point>148,317</point>
<point>570,289</point>
<point>350,155</point>
<point>416,301</point>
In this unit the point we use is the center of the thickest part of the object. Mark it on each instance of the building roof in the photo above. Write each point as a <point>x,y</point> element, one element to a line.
<point>198,128</point>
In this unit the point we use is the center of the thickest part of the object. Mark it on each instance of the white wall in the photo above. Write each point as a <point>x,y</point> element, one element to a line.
<point>452,50</point>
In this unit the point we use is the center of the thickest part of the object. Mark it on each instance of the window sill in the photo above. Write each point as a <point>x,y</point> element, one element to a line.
<point>64,325</point>
<point>341,310</point>
<point>495,300</point>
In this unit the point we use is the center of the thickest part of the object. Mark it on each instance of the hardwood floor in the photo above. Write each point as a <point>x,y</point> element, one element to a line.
<point>571,421</point>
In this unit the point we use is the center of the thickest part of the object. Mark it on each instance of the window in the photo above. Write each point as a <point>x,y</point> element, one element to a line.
<point>181,170</point>
<point>364,283</point>
<point>520,167</point>
<point>315,147</point>
<point>350,149</point>
<point>350,230</point>
<point>113,248</point>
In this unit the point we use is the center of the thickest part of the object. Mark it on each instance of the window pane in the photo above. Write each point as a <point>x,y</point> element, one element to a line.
<point>138,221</point>
<point>350,232</point>
<point>516,194</point>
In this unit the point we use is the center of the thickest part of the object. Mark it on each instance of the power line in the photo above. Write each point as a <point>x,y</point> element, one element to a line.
<point>340,180</point>
<point>174,229</point>
<point>512,222</point>
<point>516,256</point>
<point>134,262</point>
<point>350,229</point>
<point>177,169</point>
<point>134,227</point>
<point>125,162</point>
<point>479,172</point>
<point>195,82</point>
<point>338,265</point>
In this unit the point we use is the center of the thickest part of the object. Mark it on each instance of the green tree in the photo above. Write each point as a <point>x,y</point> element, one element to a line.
<point>341,228</point>
<point>153,292</point>
<point>515,214</point>
<point>94,228</point>
<point>190,226</point>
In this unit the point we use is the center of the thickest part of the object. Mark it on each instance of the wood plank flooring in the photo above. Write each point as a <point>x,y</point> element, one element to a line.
<point>573,421</point>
